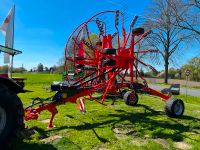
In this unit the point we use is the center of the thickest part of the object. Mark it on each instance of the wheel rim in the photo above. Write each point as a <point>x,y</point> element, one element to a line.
<point>133,98</point>
<point>178,108</point>
<point>2,119</point>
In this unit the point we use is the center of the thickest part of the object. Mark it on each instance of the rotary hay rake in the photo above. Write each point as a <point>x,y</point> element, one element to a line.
<point>98,61</point>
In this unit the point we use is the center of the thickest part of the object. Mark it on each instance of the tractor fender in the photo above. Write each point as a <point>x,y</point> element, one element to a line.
<point>11,85</point>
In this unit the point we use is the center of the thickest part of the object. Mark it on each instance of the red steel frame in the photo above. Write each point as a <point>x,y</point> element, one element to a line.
<point>125,60</point>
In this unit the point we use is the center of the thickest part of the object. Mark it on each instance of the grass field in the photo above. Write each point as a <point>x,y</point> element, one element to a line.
<point>118,126</point>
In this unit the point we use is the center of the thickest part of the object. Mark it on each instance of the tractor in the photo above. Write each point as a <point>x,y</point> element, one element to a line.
<point>11,107</point>
<point>104,62</point>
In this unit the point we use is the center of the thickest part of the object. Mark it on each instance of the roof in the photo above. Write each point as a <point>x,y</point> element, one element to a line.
<point>9,50</point>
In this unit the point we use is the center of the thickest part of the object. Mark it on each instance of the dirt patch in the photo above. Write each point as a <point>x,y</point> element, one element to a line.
<point>196,131</point>
<point>147,136</point>
<point>162,142</point>
<point>123,132</point>
<point>118,130</point>
<point>139,141</point>
<point>45,121</point>
<point>101,148</point>
<point>182,145</point>
<point>51,139</point>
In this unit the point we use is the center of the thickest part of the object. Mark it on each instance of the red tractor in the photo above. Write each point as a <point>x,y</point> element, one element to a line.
<point>11,107</point>
<point>104,62</point>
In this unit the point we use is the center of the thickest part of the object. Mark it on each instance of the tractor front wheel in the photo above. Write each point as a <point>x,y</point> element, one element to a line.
<point>11,115</point>
<point>174,108</point>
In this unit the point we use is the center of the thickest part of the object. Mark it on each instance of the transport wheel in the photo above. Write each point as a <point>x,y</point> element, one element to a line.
<point>11,115</point>
<point>110,51</point>
<point>174,108</point>
<point>121,93</point>
<point>130,98</point>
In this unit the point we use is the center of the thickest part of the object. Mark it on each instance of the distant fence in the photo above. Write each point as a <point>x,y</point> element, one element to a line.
<point>174,81</point>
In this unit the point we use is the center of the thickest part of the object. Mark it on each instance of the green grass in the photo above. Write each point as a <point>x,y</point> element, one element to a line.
<point>118,126</point>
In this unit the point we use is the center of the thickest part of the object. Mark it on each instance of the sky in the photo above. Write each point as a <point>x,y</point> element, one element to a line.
<point>43,26</point>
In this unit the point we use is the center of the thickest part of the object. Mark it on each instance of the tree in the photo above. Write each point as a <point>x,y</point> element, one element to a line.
<point>4,69</point>
<point>188,17</point>
<point>19,70</point>
<point>166,36</point>
<point>172,73</point>
<point>40,67</point>
<point>46,68</point>
<point>194,66</point>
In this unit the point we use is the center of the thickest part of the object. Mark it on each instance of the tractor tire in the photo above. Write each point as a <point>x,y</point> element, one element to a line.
<point>130,98</point>
<point>22,84</point>
<point>109,51</point>
<point>138,31</point>
<point>121,94</point>
<point>11,115</point>
<point>174,108</point>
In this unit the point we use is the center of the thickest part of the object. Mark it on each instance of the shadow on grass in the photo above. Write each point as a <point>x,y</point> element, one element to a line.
<point>171,129</point>
<point>21,145</point>
<point>145,122</point>
<point>48,144</point>
<point>103,140</point>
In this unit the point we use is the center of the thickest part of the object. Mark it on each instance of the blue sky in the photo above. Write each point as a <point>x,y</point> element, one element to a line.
<point>43,26</point>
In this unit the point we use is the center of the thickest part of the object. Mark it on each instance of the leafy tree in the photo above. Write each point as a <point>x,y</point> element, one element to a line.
<point>40,67</point>
<point>194,67</point>
<point>46,68</point>
<point>19,70</point>
<point>4,69</point>
<point>172,73</point>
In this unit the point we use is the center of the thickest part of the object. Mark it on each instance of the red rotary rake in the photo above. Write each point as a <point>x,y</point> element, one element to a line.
<point>96,61</point>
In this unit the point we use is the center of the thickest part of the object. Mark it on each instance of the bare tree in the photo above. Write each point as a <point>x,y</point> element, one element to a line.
<point>187,13</point>
<point>166,37</point>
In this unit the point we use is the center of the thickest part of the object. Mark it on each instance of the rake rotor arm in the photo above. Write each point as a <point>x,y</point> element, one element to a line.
<point>142,36</point>
<point>133,22</point>
<point>130,28</point>
<point>146,51</point>
<point>111,70</point>
<point>147,65</point>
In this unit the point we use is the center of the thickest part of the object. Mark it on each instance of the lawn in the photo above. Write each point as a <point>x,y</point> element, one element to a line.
<point>118,126</point>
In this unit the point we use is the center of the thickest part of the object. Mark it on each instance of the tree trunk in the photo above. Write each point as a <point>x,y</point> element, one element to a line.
<point>166,70</point>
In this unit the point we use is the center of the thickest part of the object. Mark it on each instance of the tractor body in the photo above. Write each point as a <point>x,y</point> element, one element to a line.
<point>11,110</point>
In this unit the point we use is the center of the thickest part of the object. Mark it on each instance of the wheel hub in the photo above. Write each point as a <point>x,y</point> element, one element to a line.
<point>178,108</point>
<point>2,119</point>
<point>132,98</point>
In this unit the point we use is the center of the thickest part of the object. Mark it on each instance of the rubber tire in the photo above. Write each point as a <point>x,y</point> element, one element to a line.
<point>13,108</point>
<point>138,31</point>
<point>170,106</point>
<point>121,94</point>
<point>127,98</point>
<point>109,62</point>
<point>22,84</point>
<point>80,66</point>
<point>109,51</point>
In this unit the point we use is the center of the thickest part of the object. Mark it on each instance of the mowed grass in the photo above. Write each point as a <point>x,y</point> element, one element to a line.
<point>118,126</point>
